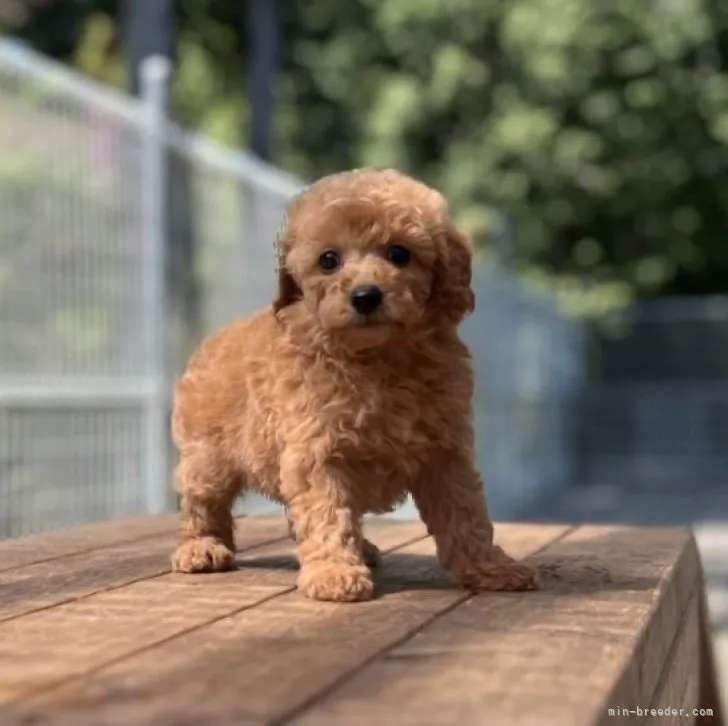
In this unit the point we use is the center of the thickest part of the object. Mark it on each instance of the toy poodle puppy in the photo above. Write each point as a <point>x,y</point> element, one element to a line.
<point>352,391</point>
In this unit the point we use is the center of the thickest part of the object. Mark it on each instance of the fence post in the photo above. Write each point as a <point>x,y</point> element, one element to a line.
<point>503,242</point>
<point>155,73</point>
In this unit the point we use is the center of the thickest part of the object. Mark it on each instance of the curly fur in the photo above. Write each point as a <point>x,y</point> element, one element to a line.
<point>335,416</point>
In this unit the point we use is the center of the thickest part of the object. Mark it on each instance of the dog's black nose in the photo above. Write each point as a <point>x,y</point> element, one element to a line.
<point>365,299</point>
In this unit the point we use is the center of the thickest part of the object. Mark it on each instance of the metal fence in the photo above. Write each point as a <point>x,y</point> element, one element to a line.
<point>87,297</point>
<point>78,300</point>
<point>656,416</point>
<point>529,377</point>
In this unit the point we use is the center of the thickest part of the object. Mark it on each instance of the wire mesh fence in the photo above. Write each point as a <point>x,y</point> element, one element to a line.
<point>657,413</point>
<point>74,360</point>
<point>226,208</point>
<point>91,278</point>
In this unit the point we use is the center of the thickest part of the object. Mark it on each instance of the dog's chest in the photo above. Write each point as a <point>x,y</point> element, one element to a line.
<point>379,429</point>
<point>377,435</point>
<point>384,416</point>
<point>378,419</point>
<point>375,412</point>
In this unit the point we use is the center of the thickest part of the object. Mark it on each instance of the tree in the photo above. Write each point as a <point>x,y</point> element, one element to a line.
<point>600,128</point>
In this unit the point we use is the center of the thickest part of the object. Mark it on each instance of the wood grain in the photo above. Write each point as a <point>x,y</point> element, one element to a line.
<point>679,683</point>
<point>48,583</point>
<point>594,633</point>
<point>260,664</point>
<point>108,637</point>
<point>28,550</point>
<point>115,624</point>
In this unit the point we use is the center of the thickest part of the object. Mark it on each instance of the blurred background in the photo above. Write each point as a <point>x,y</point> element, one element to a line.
<point>147,151</point>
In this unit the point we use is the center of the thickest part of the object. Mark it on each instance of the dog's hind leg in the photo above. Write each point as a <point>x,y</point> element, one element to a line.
<point>372,555</point>
<point>208,487</point>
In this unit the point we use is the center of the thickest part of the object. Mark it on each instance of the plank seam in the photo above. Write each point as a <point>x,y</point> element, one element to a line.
<point>54,685</point>
<point>681,622</point>
<point>332,687</point>
<point>643,634</point>
<point>672,651</point>
<point>96,548</point>
<point>86,550</point>
<point>111,588</point>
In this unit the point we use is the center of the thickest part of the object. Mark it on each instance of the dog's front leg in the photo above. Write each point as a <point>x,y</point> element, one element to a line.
<point>208,488</point>
<point>372,555</point>
<point>328,533</point>
<point>451,502</point>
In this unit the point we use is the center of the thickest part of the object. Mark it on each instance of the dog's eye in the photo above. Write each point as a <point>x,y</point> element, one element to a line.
<point>398,255</point>
<point>329,261</point>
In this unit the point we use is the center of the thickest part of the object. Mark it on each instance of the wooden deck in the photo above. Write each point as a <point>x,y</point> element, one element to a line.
<point>95,631</point>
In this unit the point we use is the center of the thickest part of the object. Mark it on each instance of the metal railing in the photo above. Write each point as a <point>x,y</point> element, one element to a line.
<point>90,270</point>
<point>79,378</point>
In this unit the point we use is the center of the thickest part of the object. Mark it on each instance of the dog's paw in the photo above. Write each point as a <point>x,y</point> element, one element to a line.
<point>202,554</point>
<point>336,582</point>
<point>497,576</point>
<point>372,555</point>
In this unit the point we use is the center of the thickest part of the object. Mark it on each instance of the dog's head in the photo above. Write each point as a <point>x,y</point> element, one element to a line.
<point>373,256</point>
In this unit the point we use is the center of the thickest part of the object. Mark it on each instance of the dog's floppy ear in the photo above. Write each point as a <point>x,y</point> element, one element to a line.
<point>452,292</point>
<point>288,290</point>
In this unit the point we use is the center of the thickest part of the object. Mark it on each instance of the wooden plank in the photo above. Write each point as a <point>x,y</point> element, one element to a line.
<point>118,623</point>
<point>710,697</point>
<point>260,664</point>
<point>678,691</point>
<point>28,550</point>
<point>52,582</point>
<point>671,594</point>
<point>551,657</point>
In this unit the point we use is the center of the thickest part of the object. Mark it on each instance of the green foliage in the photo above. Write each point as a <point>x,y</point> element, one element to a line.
<point>600,129</point>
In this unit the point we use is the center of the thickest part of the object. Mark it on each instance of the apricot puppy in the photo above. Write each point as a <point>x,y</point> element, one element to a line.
<point>350,392</point>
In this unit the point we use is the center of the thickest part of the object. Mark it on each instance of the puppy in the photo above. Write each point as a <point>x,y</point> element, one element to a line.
<point>352,391</point>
